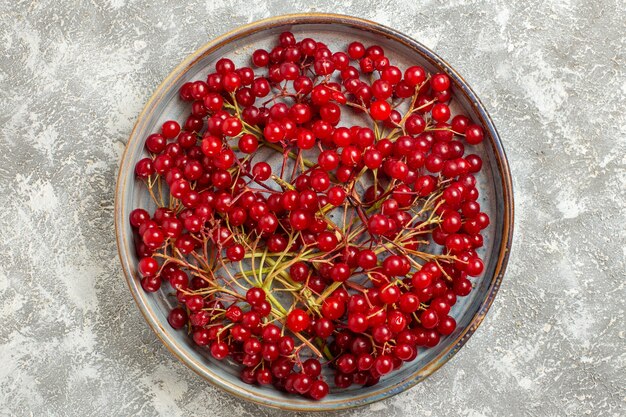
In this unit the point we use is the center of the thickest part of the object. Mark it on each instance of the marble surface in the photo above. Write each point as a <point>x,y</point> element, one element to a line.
<point>74,75</point>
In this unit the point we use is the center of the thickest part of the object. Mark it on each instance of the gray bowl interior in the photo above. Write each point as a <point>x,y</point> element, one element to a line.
<point>132,194</point>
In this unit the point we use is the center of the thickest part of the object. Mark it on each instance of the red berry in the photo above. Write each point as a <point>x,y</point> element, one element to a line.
<point>356,50</point>
<point>429,318</point>
<point>148,267</point>
<point>440,82</point>
<point>414,75</point>
<point>340,272</point>
<point>170,129</point>
<point>298,320</point>
<point>446,326</point>
<point>151,284</point>
<point>319,390</point>
<point>440,112</point>
<point>333,308</point>
<point>261,171</point>
<point>380,110</point>
<point>473,134</point>
<point>177,318</point>
<point>260,58</point>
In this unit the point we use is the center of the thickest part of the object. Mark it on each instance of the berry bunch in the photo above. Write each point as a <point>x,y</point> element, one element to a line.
<point>293,241</point>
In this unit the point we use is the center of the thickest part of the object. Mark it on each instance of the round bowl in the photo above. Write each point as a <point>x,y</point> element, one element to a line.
<point>494,183</point>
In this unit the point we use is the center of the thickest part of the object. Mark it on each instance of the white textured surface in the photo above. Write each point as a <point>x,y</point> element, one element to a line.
<point>74,77</point>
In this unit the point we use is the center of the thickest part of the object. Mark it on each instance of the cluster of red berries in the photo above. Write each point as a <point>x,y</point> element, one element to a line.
<point>349,250</point>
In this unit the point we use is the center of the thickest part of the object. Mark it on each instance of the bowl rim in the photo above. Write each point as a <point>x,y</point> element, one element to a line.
<point>503,252</point>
